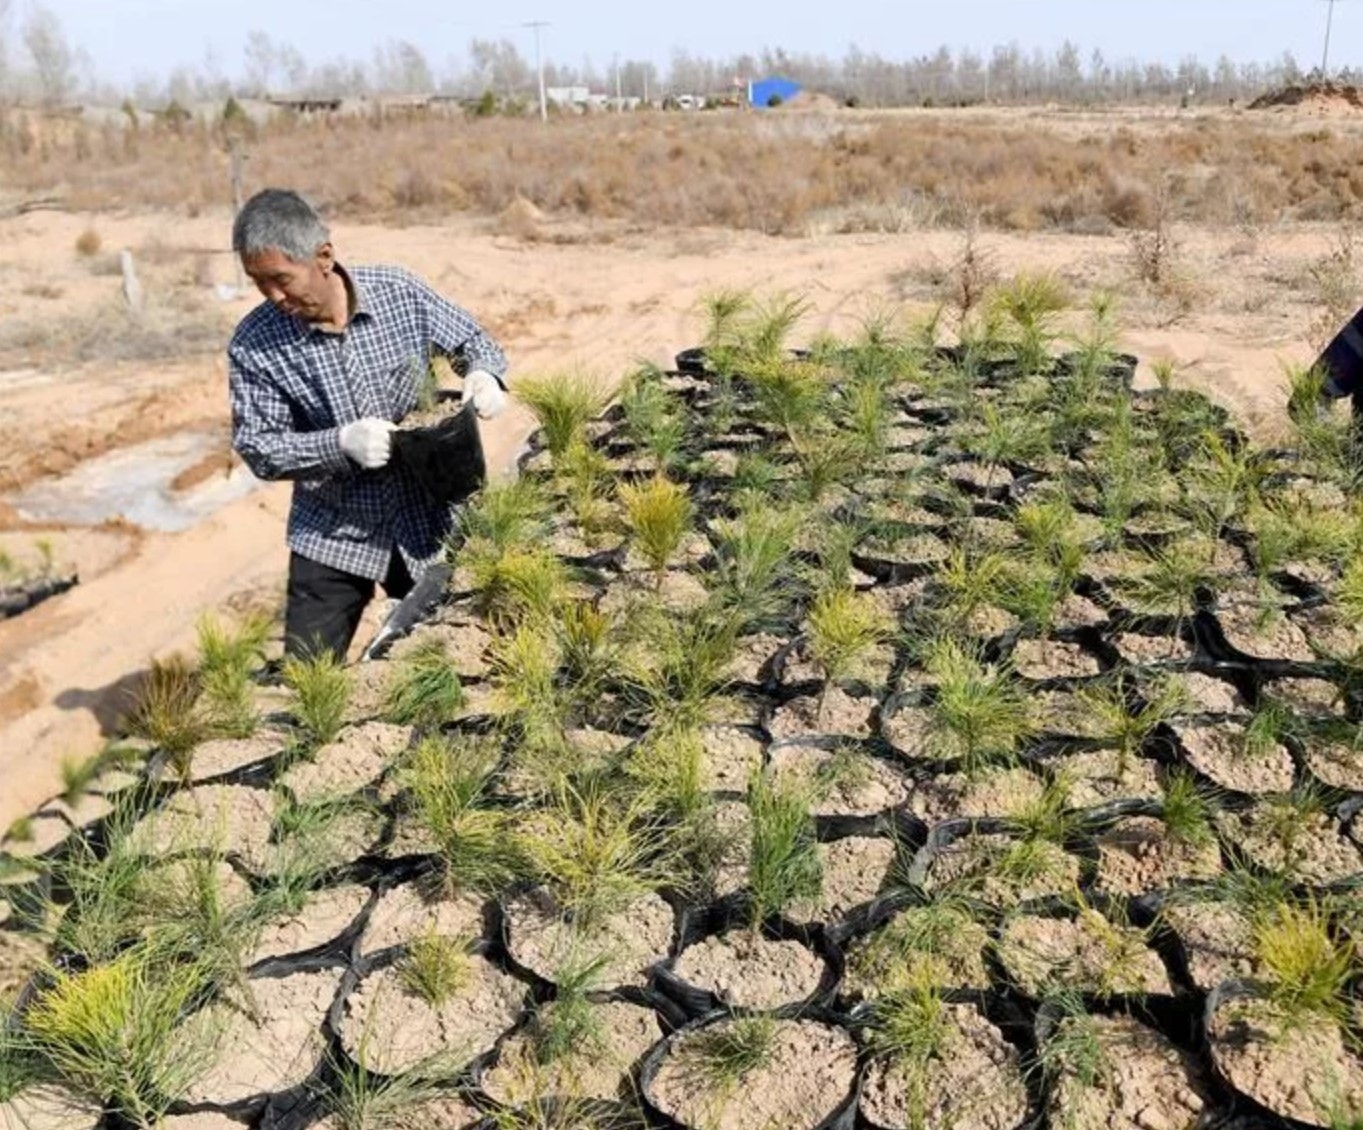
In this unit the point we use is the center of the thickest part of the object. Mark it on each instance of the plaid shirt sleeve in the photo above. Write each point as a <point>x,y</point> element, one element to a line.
<point>456,334</point>
<point>264,434</point>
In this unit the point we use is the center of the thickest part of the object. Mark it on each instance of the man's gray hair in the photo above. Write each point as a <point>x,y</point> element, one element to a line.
<point>277,219</point>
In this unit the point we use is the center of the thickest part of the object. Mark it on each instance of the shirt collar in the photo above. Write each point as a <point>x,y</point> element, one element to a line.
<point>360,307</point>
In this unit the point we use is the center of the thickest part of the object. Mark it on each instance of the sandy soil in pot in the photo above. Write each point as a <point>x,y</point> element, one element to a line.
<point>1136,856</point>
<point>1145,1082</point>
<point>1053,659</point>
<point>883,960</point>
<point>974,1083</point>
<point>389,1029</point>
<point>844,714</point>
<point>1218,749</point>
<point>1218,940</point>
<point>1087,953</point>
<point>991,793</point>
<point>810,1070</point>
<point>630,941</point>
<point>326,915</point>
<point>355,759</point>
<point>228,818</point>
<point>855,870</point>
<point>1318,854</point>
<point>847,782</point>
<point>1297,1070</point>
<point>600,1067</point>
<point>745,970</point>
<point>273,1044</point>
<point>412,909</point>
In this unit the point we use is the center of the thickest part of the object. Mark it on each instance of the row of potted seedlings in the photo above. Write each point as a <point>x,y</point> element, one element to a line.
<point>866,735</point>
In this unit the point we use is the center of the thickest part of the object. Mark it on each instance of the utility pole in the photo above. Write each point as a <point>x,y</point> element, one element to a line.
<point>539,66</point>
<point>1325,54</point>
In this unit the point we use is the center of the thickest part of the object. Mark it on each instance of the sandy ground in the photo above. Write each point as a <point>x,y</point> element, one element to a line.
<point>595,299</point>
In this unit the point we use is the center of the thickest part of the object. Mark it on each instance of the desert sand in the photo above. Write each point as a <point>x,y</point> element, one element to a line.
<point>557,295</point>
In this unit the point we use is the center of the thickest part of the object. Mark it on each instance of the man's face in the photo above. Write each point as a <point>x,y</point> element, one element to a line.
<point>298,288</point>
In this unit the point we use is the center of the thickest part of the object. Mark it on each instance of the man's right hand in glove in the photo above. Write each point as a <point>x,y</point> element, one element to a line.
<point>368,442</point>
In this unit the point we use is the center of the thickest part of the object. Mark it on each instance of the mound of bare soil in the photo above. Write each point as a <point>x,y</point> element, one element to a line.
<point>1320,97</point>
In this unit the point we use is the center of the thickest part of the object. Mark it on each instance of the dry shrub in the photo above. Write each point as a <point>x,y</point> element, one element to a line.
<point>88,243</point>
<point>783,174</point>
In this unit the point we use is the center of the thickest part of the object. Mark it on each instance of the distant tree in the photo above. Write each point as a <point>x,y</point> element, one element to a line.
<point>262,63</point>
<point>54,63</point>
<point>499,66</point>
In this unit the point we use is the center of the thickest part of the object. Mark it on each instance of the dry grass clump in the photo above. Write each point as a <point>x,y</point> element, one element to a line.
<point>88,243</point>
<point>844,171</point>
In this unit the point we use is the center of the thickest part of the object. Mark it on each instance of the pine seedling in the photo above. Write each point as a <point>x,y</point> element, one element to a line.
<point>1031,302</point>
<point>754,565</point>
<point>569,1024</point>
<point>435,967</point>
<point>590,652</point>
<point>721,1056</point>
<point>979,713</point>
<point>654,417</point>
<point>1308,966</point>
<point>1169,581</point>
<point>865,418</point>
<point>361,1099</point>
<point>785,866</point>
<point>524,676</point>
<point>597,852</point>
<point>911,1027</point>
<point>725,312</point>
<point>659,515</point>
<point>1072,1047</point>
<point>167,711</point>
<point>104,905</point>
<point>506,515</point>
<point>1119,719</point>
<point>519,585</point>
<point>1048,528</point>
<point>113,1032</point>
<point>1186,810</point>
<point>423,688</point>
<point>971,581</point>
<point>844,626</point>
<point>562,405</point>
<point>682,665</point>
<point>1219,481</point>
<point>1049,816</point>
<point>321,687</point>
<point>919,938</point>
<point>227,659</point>
<point>448,779</point>
<point>1006,435</point>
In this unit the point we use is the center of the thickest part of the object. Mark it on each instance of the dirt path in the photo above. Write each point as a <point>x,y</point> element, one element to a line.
<point>600,302</point>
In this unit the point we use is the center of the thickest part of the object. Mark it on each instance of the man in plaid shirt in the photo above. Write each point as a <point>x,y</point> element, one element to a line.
<point>319,375</point>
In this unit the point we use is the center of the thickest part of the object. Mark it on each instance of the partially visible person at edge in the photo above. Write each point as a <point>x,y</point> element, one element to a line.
<point>320,373</point>
<point>1341,366</point>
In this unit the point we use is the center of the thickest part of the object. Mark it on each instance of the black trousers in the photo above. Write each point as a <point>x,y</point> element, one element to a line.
<point>324,605</point>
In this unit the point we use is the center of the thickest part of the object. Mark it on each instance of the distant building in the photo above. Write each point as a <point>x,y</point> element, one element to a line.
<point>771,91</point>
<point>567,95</point>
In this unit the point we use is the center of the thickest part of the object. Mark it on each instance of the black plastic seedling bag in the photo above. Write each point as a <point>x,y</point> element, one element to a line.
<point>445,458</point>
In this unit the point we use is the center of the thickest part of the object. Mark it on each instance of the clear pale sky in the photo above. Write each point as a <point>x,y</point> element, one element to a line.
<point>128,38</point>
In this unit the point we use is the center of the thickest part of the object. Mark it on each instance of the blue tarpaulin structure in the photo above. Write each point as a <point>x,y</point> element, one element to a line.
<point>772,91</point>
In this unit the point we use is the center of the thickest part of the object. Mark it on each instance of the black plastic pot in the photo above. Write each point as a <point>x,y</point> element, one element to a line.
<point>445,458</point>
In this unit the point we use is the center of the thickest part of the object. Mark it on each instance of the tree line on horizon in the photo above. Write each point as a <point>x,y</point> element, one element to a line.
<point>39,65</point>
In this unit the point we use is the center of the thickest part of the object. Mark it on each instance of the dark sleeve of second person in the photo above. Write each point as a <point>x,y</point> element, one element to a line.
<point>1342,360</point>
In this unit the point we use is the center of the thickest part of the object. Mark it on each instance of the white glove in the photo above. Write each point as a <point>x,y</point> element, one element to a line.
<point>369,442</point>
<point>485,393</point>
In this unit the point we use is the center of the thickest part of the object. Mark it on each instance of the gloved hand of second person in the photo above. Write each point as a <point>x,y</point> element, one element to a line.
<point>485,393</point>
<point>368,442</point>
